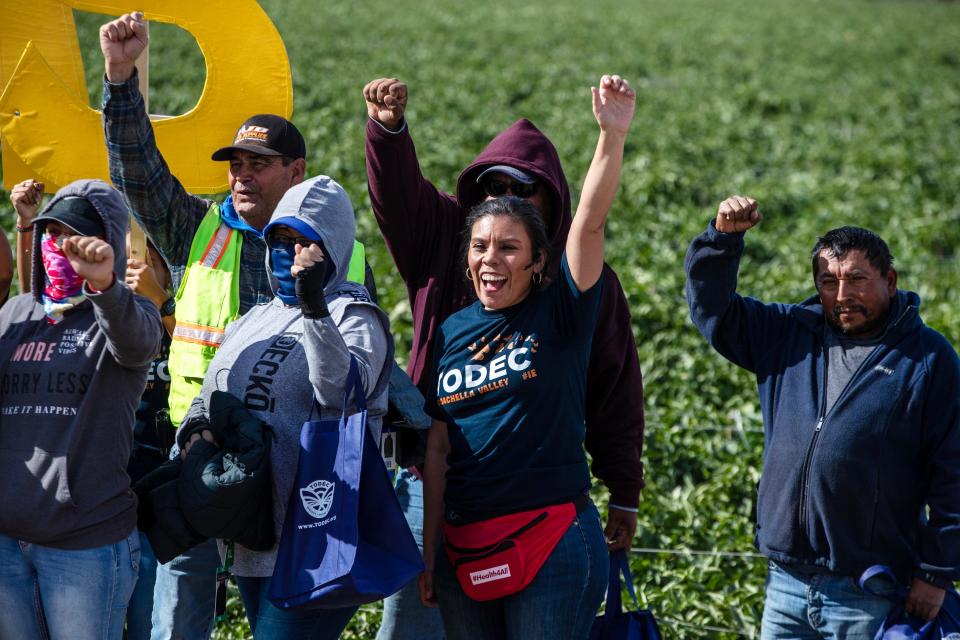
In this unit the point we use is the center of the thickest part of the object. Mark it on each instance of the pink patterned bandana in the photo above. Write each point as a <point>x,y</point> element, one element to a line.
<point>64,287</point>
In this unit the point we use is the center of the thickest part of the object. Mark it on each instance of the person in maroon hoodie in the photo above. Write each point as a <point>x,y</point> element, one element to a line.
<point>421,226</point>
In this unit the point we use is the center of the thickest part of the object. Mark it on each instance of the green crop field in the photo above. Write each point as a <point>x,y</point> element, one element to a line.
<point>828,113</point>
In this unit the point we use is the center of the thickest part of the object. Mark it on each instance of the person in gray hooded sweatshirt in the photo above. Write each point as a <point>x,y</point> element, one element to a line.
<point>74,356</point>
<point>315,323</point>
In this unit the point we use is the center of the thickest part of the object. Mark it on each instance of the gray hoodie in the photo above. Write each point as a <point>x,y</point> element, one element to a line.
<point>68,392</point>
<point>266,352</point>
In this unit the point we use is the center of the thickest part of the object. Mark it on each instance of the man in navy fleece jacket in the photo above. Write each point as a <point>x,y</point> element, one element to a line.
<point>861,407</point>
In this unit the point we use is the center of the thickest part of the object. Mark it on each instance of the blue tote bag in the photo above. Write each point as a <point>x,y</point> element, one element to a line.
<point>345,541</point>
<point>615,623</point>
<point>900,625</point>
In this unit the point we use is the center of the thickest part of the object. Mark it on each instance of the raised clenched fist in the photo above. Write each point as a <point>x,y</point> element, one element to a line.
<point>386,101</point>
<point>92,258</point>
<point>25,197</point>
<point>737,214</point>
<point>613,104</point>
<point>122,41</point>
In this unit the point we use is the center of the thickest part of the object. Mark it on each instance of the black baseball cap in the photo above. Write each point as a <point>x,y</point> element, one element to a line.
<point>77,213</point>
<point>267,135</point>
<point>513,172</point>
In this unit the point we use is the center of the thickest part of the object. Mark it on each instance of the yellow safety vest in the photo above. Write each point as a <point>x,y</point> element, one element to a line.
<point>207,301</point>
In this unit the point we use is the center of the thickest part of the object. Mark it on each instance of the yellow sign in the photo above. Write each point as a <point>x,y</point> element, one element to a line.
<point>49,132</point>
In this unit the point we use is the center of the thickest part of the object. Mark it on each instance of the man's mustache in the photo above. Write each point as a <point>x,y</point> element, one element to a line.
<point>838,309</point>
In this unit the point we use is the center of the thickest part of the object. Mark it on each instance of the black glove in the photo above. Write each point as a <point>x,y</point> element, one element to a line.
<point>309,289</point>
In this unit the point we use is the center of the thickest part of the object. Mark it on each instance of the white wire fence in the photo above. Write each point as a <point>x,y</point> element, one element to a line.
<point>738,426</point>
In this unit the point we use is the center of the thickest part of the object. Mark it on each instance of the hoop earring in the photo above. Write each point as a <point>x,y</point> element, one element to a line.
<point>537,278</point>
<point>467,273</point>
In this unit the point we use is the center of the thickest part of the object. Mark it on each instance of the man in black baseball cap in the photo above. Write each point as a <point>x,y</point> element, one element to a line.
<point>266,158</point>
<point>223,244</point>
<point>267,135</point>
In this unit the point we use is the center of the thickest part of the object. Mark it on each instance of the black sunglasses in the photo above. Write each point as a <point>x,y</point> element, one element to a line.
<point>495,188</point>
<point>286,241</point>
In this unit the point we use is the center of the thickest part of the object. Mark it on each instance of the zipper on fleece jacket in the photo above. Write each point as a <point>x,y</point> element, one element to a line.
<point>808,460</point>
<point>805,471</point>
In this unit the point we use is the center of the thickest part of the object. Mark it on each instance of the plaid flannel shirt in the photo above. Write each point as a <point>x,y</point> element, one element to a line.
<point>169,215</point>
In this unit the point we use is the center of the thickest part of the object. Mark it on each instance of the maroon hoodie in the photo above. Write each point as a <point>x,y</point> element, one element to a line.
<point>422,227</point>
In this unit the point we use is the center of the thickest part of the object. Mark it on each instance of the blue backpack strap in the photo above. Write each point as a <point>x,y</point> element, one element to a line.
<point>625,570</point>
<point>354,386</point>
<point>619,566</point>
<point>614,604</point>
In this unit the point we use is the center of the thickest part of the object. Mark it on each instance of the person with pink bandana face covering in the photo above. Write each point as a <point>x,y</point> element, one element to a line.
<point>153,434</point>
<point>74,355</point>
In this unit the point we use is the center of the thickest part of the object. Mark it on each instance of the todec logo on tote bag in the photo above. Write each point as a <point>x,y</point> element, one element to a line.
<point>344,541</point>
<point>317,498</point>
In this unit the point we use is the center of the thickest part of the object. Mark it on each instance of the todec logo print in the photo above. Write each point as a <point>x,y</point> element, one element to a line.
<point>490,364</point>
<point>317,498</point>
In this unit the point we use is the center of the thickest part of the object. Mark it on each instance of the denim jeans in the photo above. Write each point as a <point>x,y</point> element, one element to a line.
<point>561,602</point>
<point>811,606</point>
<point>404,616</point>
<point>185,593</point>
<point>268,622</point>
<point>140,609</point>
<point>58,594</point>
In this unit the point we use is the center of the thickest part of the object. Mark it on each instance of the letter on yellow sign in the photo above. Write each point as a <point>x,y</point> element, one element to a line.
<point>50,133</point>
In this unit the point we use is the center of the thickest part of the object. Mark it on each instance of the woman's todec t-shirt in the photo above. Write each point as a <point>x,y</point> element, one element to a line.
<point>511,385</point>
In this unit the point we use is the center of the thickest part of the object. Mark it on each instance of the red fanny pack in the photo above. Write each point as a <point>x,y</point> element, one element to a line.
<point>496,557</point>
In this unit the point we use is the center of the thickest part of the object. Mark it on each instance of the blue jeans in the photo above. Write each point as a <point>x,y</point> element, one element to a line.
<point>268,622</point>
<point>404,616</point>
<point>140,608</point>
<point>55,593</point>
<point>811,606</point>
<point>185,593</point>
<point>561,602</point>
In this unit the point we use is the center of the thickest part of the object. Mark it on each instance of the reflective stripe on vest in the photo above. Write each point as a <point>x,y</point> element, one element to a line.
<point>198,334</point>
<point>207,301</point>
<point>217,247</point>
